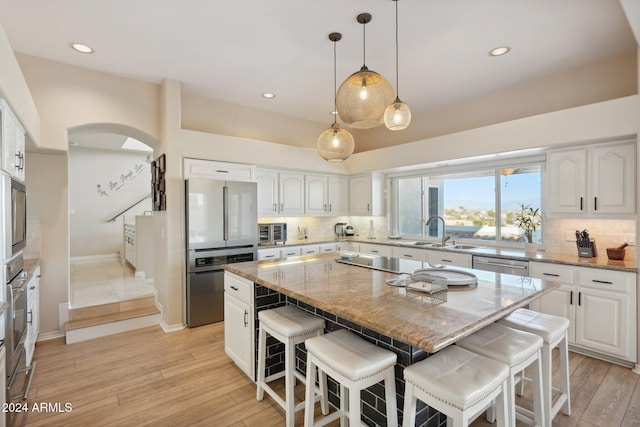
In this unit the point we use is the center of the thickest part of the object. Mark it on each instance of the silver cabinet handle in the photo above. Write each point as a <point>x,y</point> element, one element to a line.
<point>330,207</point>
<point>446,260</point>
<point>551,274</point>
<point>281,207</point>
<point>246,318</point>
<point>269,256</point>
<point>234,288</point>
<point>408,256</point>
<point>30,321</point>
<point>368,207</point>
<point>275,207</point>
<point>604,282</point>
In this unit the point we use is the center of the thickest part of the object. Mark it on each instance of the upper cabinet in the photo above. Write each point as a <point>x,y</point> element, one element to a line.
<point>593,181</point>
<point>210,169</point>
<point>280,193</point>
<point>326,195</point>
<point>12,138</point>
<point>366,195</point>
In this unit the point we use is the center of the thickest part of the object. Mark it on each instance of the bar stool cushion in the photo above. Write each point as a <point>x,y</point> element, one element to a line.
<point>457,376</point>
<point>549,327</point>
<point>499,342</point>
<point>290,321</point>
<point>350,355</point>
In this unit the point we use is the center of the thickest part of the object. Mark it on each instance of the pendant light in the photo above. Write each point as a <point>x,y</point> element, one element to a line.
<point>363,97</point>
<point>335,144</point>
<point>397,116</point>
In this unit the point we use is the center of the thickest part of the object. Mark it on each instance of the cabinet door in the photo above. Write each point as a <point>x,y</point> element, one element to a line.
<point>603,321</point>
<point>449,258</point>
<point>238,336</point>
<point>267,181</point>
<point>209,169</point>
<point>613,179</point>
<point>338,195</point>
<point>19,152</point>
<point>9,135</point>
<point>316,197</point>
<point>360,195</point>
<point>566,181</point>
<point>291,193</point>
<point>561,302</point>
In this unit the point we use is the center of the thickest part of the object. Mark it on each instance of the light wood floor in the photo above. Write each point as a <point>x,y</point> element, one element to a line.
<point>148,377</point>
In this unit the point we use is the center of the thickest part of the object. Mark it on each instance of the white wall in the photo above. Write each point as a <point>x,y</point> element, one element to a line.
<point>101,184</point>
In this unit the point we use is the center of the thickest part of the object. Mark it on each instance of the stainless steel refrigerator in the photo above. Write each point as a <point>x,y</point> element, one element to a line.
<point>222,228</point>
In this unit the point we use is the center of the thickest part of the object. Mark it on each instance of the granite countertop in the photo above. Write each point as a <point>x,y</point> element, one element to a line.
<point>600,261</point>
<point>361,295</point>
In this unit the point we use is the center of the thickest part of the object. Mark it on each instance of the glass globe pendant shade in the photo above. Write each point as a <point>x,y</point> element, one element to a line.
<point>397,116</point>
<point>362,99</point>
<point>335,144</point>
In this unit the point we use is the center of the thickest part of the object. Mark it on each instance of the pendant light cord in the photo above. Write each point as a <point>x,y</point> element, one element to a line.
<point>397,78</point>
<point>335,85</point>
<point>364,45</point>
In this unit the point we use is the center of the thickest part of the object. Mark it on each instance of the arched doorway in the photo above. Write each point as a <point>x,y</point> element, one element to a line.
<point>109,181</point>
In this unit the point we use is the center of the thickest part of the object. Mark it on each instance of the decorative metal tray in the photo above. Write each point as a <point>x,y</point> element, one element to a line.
<point>454,277</point>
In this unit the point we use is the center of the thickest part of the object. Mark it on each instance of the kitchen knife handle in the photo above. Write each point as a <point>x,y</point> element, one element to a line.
<point>581,203</point>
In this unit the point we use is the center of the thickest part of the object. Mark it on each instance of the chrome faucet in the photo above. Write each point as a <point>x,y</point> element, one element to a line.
<point>444,234</point>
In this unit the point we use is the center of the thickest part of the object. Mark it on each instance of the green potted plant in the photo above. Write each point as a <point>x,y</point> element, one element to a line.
<point>529,220</point>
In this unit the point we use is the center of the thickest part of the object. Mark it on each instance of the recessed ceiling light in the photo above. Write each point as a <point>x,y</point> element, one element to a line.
<point>81,48</point>
<point>268,95</point>
<point>498,51</point>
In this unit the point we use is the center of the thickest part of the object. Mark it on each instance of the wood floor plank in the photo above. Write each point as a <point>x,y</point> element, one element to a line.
<point>610,402</point>
<point>148,377</point>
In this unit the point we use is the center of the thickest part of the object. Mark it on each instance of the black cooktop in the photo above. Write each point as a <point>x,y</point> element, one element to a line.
<point>383,263</point>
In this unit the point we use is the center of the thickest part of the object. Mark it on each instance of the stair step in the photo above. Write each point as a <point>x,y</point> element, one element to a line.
<point>110,317</point>
<point>112,308</point>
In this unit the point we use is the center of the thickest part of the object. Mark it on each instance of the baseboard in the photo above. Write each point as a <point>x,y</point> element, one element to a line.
<point>93,257</point>
<point>636,370</point>
<point>46,336</point>
<point>171,328</point>
<point>606,358</point>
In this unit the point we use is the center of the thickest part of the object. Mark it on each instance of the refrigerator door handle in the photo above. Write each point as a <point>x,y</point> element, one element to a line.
<point>225,213</point>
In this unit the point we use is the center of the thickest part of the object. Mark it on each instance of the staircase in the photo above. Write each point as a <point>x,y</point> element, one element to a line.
<point>86,323</point>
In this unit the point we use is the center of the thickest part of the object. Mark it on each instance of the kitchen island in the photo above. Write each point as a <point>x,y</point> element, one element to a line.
<point>410,323</point>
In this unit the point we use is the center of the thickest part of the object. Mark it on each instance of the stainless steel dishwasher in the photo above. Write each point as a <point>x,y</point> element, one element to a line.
<point>501,265</point>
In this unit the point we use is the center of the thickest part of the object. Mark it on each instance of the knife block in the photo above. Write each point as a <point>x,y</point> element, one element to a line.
<point>588,252</point>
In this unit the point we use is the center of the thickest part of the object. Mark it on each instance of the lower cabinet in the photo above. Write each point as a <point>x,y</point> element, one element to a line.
<point>409,253</point>
<point>437,257</point>
<point>239,324</point>
<point>600,304</point>
<point>33,314</point>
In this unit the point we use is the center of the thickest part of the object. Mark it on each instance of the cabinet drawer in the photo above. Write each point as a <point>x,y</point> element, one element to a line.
<point>614,281</point>
<point>380,250</point>
<point>290,251</point>
<point>273,253</point>
<point>239,287</point>
<point>410,253</point>
<point>328,247</point>
<point>308,250</point>
<point>555,272</point>
<point>449,258</point>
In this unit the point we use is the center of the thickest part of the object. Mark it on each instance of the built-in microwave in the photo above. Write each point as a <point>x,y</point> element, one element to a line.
<point>14,205</point>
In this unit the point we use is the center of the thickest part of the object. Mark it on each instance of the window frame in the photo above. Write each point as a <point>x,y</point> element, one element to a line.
<point>462,169</point>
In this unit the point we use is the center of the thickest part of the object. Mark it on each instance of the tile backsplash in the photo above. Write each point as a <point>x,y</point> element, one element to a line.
<point>558,234</point>
<point>323,227</point>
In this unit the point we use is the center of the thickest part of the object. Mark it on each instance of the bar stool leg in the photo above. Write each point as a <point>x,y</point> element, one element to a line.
<point>547,385</point>
<point>409,411</point>
<point>537,392</point>
<point>501,409</point>
<point>344,406</point>
<point>309,403</point>
<point>290,382</point>
<point>354,407</point>
<point>564,371</point>
<point>392,406</point>
<point>262,347</point>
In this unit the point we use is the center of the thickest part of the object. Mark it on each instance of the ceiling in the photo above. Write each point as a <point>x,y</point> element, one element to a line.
<point>234,51</point>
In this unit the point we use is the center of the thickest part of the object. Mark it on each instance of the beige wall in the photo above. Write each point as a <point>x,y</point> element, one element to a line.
<point>47,201</point>
<point>68,96</point>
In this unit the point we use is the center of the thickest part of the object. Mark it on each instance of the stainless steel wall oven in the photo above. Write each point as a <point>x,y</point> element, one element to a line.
<point>14,194</point>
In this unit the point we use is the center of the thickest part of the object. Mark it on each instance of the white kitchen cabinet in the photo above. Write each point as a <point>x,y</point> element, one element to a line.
<point>326,195</point>
<point>366,195</point>
<point>310,249</point>
<point>409,253</point>
<point>268,253</point>
<point>209,169</point>
<point>33,314</point>
<point>381,250</point>
<point>599,303</point>
<point>592,181</point>
<point>129,237</point>
<point>239,329</point>
<point>288,251</point>
<point>327,247</point>
<point>280,193</point>
<point>347,246</point>
<point>12,136</point>
<point>437,257</point>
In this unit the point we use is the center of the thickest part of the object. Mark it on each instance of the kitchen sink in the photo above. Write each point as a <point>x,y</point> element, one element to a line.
<point>463,247</point>
<point>414,243</point>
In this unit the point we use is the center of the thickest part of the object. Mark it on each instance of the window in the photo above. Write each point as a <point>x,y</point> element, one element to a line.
<point>476,205</point>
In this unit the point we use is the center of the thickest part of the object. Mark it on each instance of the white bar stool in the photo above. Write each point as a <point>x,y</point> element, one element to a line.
<point>553,330</point>
<point>517,349</point>
<point>291,326</point>
<point>457,382</point>
<point>356,364</point>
